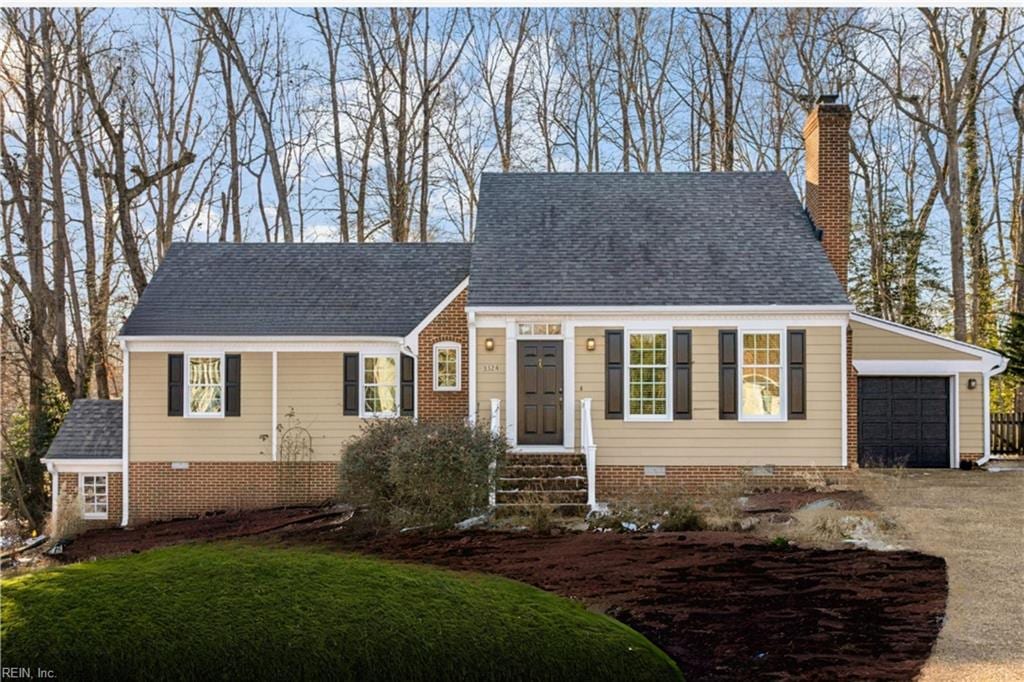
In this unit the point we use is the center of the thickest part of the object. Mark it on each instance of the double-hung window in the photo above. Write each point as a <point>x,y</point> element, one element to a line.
<point>93,493</point>
<point>647,377</point>
<point>205,386</point>
<point>761,376</point>
<point>380,386</point>
<point>447,366</point>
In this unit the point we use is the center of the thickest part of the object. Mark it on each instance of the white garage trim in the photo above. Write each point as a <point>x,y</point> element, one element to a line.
<point>921,368</point>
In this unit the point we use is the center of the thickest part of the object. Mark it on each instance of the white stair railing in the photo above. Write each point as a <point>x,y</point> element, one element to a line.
<point>590,451</point>
<point>495,431</point>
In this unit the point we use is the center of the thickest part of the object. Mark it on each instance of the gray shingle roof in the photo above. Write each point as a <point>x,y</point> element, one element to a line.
<point>91,430</point>
<point>646,239</point>
<point>297,289</point>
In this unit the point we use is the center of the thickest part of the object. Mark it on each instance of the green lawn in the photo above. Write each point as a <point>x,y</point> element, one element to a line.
<point>232,611</point>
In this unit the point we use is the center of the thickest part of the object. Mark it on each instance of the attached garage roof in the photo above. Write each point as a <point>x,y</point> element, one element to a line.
<point>91,430</point>
<point>254,290</point>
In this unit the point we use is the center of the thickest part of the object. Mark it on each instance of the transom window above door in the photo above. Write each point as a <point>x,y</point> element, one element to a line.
<point>540,329</point>
<point>761,376</point>
<point>648,375</point>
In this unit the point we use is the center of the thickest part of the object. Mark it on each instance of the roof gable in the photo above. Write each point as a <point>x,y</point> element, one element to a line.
<point>626,239</point>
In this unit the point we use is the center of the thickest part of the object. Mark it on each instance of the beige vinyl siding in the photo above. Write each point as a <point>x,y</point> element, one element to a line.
<point>309,397</point>
<point>490,374</point>
<point>155,437</point>
<point>705,439</point>
<point>972,416</point>
<point>872,343</point>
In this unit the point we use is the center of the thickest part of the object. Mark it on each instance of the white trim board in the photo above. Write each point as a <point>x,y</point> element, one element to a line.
<point>679,320</point>
<point>257,344</point>
<point>412,338</point>
<point>90,466</point>
<point>572,310</point>
<point>918,367</point>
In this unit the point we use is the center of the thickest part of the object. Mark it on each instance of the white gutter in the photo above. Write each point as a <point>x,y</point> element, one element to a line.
<point>125,388</point>
<point>54,492</point>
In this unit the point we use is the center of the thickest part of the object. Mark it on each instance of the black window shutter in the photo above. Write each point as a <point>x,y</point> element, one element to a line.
<point>613,376</point>
<point>681,384</point>
<point>233,386</point>
<point>175,385</point>
<point>727,374</point>
<point>350,399</point>
<point>797,374</point>
<point>408,386</point>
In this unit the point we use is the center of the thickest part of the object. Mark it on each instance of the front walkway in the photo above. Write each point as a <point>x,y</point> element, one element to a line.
<point>975,520</point>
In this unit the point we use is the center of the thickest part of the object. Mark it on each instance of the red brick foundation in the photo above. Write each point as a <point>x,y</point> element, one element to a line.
<point>450,325</point>
<point>970,456</point>
<point>157,491</point>
<point>617,481</point>
<point>69,497</point>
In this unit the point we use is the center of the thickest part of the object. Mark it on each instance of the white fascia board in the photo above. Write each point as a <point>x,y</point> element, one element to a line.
<point>411,339</point>
<point>661,320</point>
<point>102,466</point>
<point>260,344</point>
<point>918,367</point>
<point>572,310</point>
<point>928,337</point>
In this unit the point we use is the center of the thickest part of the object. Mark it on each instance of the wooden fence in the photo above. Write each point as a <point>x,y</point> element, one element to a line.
<point>1008,433</point>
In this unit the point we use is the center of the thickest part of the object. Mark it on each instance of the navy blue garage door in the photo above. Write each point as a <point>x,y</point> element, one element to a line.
<point>903,421</point>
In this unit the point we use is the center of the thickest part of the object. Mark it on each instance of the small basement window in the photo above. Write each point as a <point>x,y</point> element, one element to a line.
<point>380,386</point>
<point>447,366</point>
<point>92,489</point>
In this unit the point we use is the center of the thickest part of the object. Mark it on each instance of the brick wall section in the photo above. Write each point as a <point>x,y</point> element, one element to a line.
<point>159,492</point>
<point>851,403</point>
<point>450,325</point>
<point>69,493</point>
<point>827,143</point>
<point>621,480</point>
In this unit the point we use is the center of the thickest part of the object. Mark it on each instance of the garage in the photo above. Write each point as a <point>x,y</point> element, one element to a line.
<point>904,421</point>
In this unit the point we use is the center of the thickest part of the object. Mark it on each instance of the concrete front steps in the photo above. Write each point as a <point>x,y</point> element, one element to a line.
<point>557,481</point>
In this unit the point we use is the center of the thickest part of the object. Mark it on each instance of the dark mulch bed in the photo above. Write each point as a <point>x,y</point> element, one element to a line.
<point>723,605</point>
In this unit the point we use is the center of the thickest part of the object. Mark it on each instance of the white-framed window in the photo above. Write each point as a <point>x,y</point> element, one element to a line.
<point>204,385</point>
<point>447,366</point>
<point>526,329</point>
<point>762,361</point>
<point>378,386</point>
<point>92,490</point>
<point>647,376</point>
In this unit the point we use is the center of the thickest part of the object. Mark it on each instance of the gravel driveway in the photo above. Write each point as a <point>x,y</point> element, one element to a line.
<point>975,520</point>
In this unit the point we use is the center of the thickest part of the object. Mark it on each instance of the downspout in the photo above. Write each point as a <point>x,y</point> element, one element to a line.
<point>54,492</point>
<point>986,409</point>
<point>125,389</point>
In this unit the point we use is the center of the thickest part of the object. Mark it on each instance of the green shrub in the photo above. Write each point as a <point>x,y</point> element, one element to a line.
<point>682,517</point>
<point>410,473</point>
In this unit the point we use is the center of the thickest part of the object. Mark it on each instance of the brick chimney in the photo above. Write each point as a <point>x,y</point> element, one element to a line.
<point>827,143</point>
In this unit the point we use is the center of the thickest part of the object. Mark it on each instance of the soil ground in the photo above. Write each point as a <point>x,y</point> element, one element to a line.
<point>975,520</point>
<point>723,605</point>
